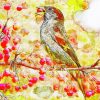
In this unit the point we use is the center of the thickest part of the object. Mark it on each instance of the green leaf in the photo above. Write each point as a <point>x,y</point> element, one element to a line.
<point>83,37</point>
<point>74,5</point>
<point>20,98</point>
<point>43,91</point>
<point>95,97</point>
<point>2,15</point>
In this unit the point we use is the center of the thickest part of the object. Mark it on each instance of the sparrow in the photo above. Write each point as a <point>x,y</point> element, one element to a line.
<point>53,37</point>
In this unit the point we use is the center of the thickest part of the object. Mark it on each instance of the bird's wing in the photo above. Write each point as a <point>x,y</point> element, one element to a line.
<point>61,38</point>
<point>57,50</point>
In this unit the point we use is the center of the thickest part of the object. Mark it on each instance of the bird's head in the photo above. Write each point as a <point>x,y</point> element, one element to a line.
<point>51,13</point>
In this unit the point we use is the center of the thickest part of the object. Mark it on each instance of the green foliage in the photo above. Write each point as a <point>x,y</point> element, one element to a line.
<point>19,97</point>
<point>43,91</point>
<point>2,15</point>
<point>94,97</point>
<point>75,5</point>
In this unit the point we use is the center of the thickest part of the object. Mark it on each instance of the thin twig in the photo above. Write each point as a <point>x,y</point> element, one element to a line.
<point>21,64</point>
<point>95,64</point>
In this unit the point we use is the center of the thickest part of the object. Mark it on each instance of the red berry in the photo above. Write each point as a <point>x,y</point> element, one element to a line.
<point>33,80</point>
<point>67,89</point>
<point>2,86</point>
<point>3,44</point>
<point>30,84</point>
<point>70,93</point>
<point>89,93</point>
<point>8,86</point>
<point>17,88</point>
<point>56,87</point>
<point>42,61</point>
<point>5,31</point>
<point>1,56</point>
<point>5,39</point>
<point>42,77</point>
<point>48,61</point>
<point>7,7</point>
<point>6,51</point>
<point>98,89</point>
<point>41,71</point>
<point>98,82</point>
<point>74,89</point>
<point>19,8</point>
<point>13,47</point>
<point>15,79</point>
<point>6,58</point>
<point>6,73</point>
<point>24,87</point>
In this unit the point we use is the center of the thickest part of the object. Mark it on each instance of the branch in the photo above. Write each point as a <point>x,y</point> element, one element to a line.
<point>84,68</point>
<point>35,68</point>
<point>28,66</point>
<point>96,63</point>
<point>21,64</point>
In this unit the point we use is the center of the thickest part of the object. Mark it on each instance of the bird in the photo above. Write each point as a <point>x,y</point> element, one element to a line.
<point>55,40</point>
<point>53,37</point>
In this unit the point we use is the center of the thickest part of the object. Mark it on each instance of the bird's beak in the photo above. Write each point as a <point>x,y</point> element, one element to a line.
<point>40,10</point>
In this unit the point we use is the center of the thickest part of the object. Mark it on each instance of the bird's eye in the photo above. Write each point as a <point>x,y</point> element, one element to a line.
<point>49,8</point>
